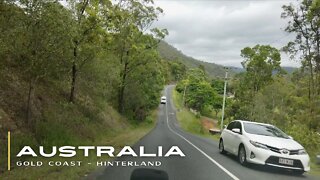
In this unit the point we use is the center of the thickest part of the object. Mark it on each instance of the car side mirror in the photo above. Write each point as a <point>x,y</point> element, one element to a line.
<point>236,130</point>
<point>290,137</point>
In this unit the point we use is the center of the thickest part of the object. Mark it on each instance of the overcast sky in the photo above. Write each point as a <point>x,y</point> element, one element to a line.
<point>217,30</point>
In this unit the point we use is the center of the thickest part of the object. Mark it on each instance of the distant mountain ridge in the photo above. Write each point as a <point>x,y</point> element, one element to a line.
<point>288,69</point>
<point>170,53</point>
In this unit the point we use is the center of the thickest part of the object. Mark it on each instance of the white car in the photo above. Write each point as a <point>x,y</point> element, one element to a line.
<point>163,100</point>
<point>263,144</point>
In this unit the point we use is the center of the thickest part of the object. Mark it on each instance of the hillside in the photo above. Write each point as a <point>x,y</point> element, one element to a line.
<point>90,121</point>
<point>169,52</point>
<point>289,69</point>
<point>61,85</point>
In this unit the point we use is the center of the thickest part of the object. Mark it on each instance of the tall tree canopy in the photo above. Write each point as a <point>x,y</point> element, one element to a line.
<point>260,62</point>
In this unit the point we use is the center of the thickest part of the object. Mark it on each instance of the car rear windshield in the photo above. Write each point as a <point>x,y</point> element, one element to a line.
<point>265,130</point>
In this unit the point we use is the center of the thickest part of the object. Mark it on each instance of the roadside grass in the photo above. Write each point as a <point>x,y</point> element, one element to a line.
<point>117,138</point>
<point>315,169</point>
<point>189,121</point>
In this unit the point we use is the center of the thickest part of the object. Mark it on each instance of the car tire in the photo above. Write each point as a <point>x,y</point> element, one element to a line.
<point>242,156</point>
<point>221,147</point>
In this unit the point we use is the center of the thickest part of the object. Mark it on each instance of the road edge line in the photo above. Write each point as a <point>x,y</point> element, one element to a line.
<point>202,152</point>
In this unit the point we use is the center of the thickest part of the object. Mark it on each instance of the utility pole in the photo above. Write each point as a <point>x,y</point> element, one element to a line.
<point>224,97</point>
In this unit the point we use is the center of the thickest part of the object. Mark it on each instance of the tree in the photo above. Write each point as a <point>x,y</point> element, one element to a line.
<point>89,28</point>
<point>260,62</point>
<point>133,18</point>
<point>144,85</point>
<point>218,85</point>
<point>41,35</point>
<point>217,104</point>
<point>200,95</point>
<point>177,70</point>
<point>196,89</point>
<point>304,23</point>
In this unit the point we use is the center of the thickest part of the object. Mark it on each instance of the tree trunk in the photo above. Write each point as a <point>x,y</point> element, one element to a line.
<point>74,73</point>
<point>73,82</point>
<point>29,103</point>
<point>317,60</point>
<point>311,80</point>
<point>121,100</point>
<point>123,76</point>
<point>122,89</point>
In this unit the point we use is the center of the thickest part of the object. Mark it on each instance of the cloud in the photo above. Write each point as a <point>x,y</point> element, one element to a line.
<point>216,31</point>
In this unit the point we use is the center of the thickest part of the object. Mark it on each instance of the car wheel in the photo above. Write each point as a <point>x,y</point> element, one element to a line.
<point>221,147</point>
<point>242,155</point>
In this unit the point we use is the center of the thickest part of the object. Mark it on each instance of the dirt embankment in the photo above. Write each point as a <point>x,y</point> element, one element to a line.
<point>208,123</point>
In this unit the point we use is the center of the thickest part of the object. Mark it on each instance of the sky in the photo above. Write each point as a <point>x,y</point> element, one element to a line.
<point>216,30</point>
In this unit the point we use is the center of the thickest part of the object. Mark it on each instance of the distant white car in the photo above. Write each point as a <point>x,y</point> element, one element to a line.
<point>163,100</point>
<point>263,144</point>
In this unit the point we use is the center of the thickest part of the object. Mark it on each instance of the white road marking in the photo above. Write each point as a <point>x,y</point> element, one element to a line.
<point>206,155</point>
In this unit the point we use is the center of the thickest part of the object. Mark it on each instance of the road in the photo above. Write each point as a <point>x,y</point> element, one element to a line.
<point>202,160</point>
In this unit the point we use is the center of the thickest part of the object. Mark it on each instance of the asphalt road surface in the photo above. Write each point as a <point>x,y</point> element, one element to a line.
<point>202,160</point>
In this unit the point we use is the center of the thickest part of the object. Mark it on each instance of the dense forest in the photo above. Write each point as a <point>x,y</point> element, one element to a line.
<point>265,92</point>
<point>72,70</point>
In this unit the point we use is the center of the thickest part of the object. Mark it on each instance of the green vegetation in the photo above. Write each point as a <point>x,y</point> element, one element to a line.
<point>189,121</point>
<point>91,72</point>
<point>196,89</point>
<point>199,99</point>
<point>80,73</point>
<point>264,92</point>
<point>290,101</point>
<point>127,135</point>
<point>175,70</point>
<point>260,62</point>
